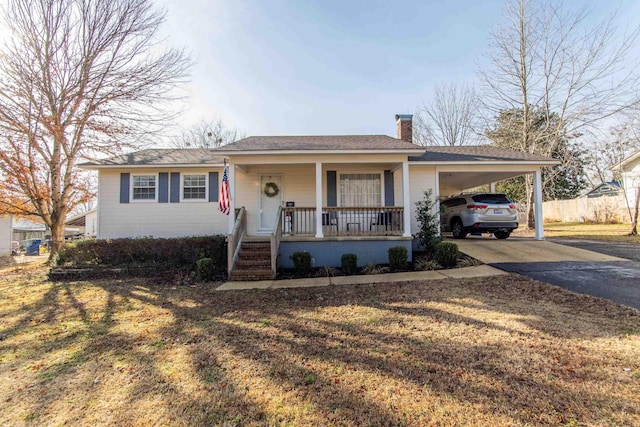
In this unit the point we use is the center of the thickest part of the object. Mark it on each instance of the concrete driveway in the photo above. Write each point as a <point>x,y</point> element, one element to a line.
<point>571,267</point>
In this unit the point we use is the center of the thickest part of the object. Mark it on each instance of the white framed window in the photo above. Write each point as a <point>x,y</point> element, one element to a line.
<point>360,189</point>
<point>194,187</point>
<point>143,187</point>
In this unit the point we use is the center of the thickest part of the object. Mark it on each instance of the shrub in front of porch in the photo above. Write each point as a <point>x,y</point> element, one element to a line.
<point>349,264</point>
<point>147,256</point>
<point>398,256</point>
<point>301,263</point>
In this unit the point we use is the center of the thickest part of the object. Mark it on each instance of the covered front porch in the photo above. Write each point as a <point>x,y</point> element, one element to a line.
<point>327,208</point>
<point>323,199</point>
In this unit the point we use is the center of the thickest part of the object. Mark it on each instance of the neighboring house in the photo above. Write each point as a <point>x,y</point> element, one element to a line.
<point>5,235</point>
<point>630,171</point>
<point>24,229</point>
<point>86,223</point>
<point>610,189</point>
<point>328,195</point>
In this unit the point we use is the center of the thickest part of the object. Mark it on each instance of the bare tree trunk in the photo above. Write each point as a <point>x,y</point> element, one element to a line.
<point>57,236</point>
<point>528,191</point>
<point>531,222</point>
<point>634,219</point>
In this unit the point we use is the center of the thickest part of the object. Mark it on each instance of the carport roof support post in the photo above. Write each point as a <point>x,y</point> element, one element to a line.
<point>537,204</point>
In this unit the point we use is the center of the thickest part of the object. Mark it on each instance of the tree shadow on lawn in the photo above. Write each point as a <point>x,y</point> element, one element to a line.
<point>397,354</point>
<point>478,376</point>
<point>73,373</point>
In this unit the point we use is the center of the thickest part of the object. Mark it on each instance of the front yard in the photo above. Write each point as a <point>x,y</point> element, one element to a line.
<point>497,351</point>
<point>609,232</point>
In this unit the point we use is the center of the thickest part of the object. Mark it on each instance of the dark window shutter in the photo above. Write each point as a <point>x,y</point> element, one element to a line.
<point>163,187</point>
<point>124,187</point>
<point>175,187</point>
<point>213,187</point>
<point>388,189</point>
<point>332,191</point>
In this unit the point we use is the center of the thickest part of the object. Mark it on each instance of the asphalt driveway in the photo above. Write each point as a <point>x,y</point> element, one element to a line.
<point>630,251</point>
<point>604,269</point>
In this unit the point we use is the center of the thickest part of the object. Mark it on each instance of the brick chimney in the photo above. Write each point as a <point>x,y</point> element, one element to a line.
<point>405,126</point>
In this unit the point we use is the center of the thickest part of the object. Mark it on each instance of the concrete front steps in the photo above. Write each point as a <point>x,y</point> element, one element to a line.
<point>254,262</point>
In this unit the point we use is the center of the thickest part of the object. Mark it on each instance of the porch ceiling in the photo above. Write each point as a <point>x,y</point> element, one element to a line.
<point>457,182</point>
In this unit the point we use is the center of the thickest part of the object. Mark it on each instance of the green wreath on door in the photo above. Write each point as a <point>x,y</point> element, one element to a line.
<point>271,189</point>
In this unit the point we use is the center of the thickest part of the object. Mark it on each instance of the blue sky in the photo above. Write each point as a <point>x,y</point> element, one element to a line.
<point>276,67</point>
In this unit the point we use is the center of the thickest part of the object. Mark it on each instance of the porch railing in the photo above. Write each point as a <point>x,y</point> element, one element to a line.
<point>275,244</point>
<point>235,239</point>
<point>344,221</point>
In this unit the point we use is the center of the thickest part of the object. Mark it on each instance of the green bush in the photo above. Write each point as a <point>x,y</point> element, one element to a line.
<point>398,256</point>
<point>446,254</point>
<point>428,223</point>
<point>158,254</point>
<point>205,269</point>
<point>349,263</point>
<point>301,263</point>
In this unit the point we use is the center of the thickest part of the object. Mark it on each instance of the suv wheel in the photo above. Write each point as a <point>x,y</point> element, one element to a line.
<point>502,234</point>
<point>457,229</point>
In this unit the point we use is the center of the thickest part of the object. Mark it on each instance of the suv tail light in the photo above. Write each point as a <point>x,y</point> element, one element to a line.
<point>477,206</point>
<point>512,206</point>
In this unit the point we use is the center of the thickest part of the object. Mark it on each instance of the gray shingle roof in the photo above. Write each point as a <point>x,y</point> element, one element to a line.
<point>201,156</point>
<point>476,153</point>
<point>320,142</point>
<point>161,156</point>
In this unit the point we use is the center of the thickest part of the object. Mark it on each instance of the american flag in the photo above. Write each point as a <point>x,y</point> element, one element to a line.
<point>224,205</point>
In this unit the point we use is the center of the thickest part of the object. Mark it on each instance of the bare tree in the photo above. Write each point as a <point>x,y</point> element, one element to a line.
<point>207,134</point>
<point>636,211</point>
<point>450,119</point>
<point>544,58</point>
<point>77,78</point>
<point>608,150</point>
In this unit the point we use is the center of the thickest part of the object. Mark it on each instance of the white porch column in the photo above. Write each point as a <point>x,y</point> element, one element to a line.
<point>405,199</point>
<point>492,187</point>
<point>537,204</point>
<point>319,200</point>
<point>231,169</point>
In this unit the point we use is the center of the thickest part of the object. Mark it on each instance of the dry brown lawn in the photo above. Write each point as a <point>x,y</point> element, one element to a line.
<point>504,351</point>
<point>609,232</point>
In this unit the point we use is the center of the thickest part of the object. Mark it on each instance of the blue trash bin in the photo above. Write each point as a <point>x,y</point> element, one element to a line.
<point>33,248</point>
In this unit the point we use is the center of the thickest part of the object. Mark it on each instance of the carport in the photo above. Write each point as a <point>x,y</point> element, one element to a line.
<point>465,167</point>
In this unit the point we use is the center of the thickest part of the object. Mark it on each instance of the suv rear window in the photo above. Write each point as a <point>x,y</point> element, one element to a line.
<point>492,199</point>
<point>451,203</point>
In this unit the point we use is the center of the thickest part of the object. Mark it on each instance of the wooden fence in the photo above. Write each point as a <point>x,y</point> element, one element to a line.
<point>604,209</point>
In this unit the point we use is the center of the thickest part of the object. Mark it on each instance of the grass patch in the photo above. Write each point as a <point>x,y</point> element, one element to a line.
<point>608,232</point>
<point>503,350</point>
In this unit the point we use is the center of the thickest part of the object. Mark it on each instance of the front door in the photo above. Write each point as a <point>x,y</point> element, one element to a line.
<point>270,201</point>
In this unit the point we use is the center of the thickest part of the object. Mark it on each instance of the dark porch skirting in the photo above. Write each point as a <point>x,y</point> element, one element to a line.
<point>328,251</point>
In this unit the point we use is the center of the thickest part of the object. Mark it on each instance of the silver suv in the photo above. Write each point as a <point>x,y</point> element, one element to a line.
<point>478,213</point>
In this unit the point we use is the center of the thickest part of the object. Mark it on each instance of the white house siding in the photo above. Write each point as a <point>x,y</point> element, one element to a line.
<point>421,178</point>
<point>397,187</point>
<point>150,218</point>
<point>631,178</point>
<point>91,223</point>
<point>5,235</point>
